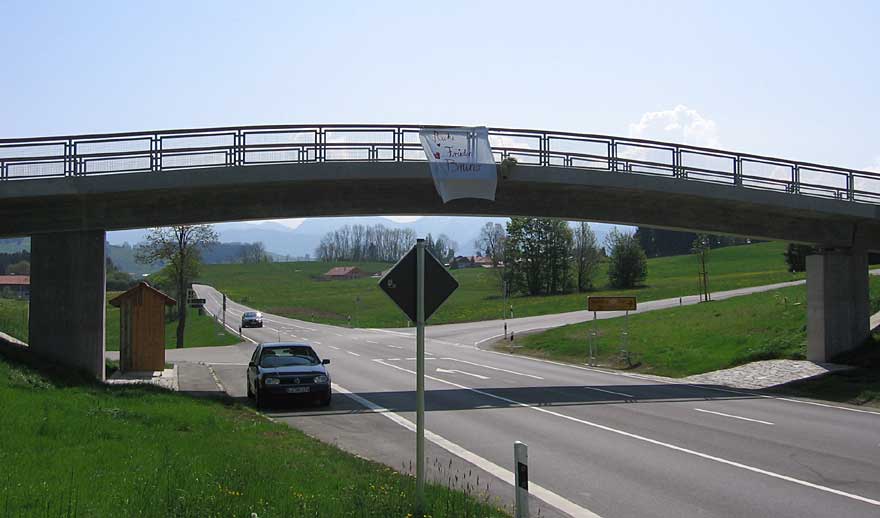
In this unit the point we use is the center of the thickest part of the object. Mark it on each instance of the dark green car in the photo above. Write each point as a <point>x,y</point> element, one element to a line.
<point>288,371</point>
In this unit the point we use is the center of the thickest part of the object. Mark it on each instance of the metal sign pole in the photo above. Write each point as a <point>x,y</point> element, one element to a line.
<point>593,345</point>
<point>420,377</point>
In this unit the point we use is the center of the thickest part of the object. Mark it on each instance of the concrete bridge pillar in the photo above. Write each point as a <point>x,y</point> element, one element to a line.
<point>68,299</point>
<point>838,306</point>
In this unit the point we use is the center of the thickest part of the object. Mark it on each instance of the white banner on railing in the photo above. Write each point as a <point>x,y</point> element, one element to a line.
<point>461,162</point>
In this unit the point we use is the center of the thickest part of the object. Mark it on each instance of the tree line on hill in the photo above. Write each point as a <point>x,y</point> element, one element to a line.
<point>378,243</point>
<point>658,242</point>
<point>546,256</point>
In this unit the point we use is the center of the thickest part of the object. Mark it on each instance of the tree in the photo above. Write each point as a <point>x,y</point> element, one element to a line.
<point>537,255</point>
<point>362,243</point>
<point>443,247</point>
<point>628,264</point>
<point>20,268</point>
<point>658,242</point>
<point>586,256</point>
<point>491,243</point>
<point>180,248</point>
<point>254,253</point>
<point>701,246</point>
<point>115,279</point>
<point>796,256</point>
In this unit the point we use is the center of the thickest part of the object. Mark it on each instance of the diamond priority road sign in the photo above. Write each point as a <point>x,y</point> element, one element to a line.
<point>400,284</point>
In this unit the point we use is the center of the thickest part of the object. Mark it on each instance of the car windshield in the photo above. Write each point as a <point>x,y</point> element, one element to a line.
<point>250,315</point>
<point>288,355</point>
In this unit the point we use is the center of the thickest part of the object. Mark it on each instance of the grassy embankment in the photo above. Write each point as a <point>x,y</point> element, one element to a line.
<point>201,330</point>
<point>296,290</point>
<point>70,447</point>
<point>716,335</point>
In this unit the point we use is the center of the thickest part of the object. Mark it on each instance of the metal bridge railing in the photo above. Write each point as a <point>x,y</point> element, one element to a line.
<point>165,151</point>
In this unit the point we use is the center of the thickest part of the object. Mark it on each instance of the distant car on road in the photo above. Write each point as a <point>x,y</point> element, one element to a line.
<point>251,319</point>
<point>287,370</point>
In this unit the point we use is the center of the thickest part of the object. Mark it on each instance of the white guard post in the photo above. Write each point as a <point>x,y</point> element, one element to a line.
<point>521,469</point>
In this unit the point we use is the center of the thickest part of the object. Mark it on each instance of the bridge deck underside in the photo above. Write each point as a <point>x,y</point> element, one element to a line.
<point>123,201</point>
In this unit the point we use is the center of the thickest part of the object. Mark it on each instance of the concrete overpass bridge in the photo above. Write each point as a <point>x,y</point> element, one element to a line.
<point>66,192</point>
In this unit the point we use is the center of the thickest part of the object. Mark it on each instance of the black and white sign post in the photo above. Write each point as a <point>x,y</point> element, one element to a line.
<point>419,284</point>
<point>521,461</point>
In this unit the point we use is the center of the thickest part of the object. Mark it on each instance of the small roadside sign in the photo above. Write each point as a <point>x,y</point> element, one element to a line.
<point>400,284</point>
<point>197,302</point>
<point>611,303</point>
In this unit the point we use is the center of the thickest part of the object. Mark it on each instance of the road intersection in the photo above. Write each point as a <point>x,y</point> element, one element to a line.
<point>601,443</point>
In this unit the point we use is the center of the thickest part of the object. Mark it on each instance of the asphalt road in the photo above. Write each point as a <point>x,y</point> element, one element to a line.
<point>600,443</point>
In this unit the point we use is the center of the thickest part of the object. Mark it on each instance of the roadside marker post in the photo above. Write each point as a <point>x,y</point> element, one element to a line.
<point>419,284</point>
<point>224,310</point>
<point>521,470</point>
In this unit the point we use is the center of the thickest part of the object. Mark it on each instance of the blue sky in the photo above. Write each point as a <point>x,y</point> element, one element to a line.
<point>791,79</point>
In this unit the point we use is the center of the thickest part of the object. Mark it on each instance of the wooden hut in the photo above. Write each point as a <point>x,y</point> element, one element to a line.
<point>142,328</point>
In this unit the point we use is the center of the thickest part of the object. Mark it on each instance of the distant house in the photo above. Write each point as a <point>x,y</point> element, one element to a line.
<point>461,261</point>
<point>344,272</point>
<point>485,262</point>
<point>18,285</point>
<point>473,261</point>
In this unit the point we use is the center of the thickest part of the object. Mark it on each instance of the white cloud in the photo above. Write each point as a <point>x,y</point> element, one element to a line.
<point>681,125</point>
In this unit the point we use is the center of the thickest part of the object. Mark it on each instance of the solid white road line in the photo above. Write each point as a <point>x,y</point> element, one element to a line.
<point>398,333</point>
<point>352,353</point>
<point>611,392</point>
<point>494,368</point>
<point>478,342</point>
<point>549,497</point>
<point>734,416</point>
<point>235,332</point>
<point>452,371</point>
<point>655,442</point>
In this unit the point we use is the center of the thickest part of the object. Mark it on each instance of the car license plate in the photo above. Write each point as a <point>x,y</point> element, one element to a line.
<point>297,390</point>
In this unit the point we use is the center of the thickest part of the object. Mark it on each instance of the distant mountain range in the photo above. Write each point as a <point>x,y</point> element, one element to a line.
<point>283,241</point>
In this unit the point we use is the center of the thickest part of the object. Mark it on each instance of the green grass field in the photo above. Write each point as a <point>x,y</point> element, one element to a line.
<point>294,290</point>
<point>201,330</point>
<point>70,447</point>
<point>691,339</point>
<point>14,318</point>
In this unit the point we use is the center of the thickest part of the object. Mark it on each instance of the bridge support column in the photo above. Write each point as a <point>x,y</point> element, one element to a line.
<point>838,308</point>
<point>68,299</point>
